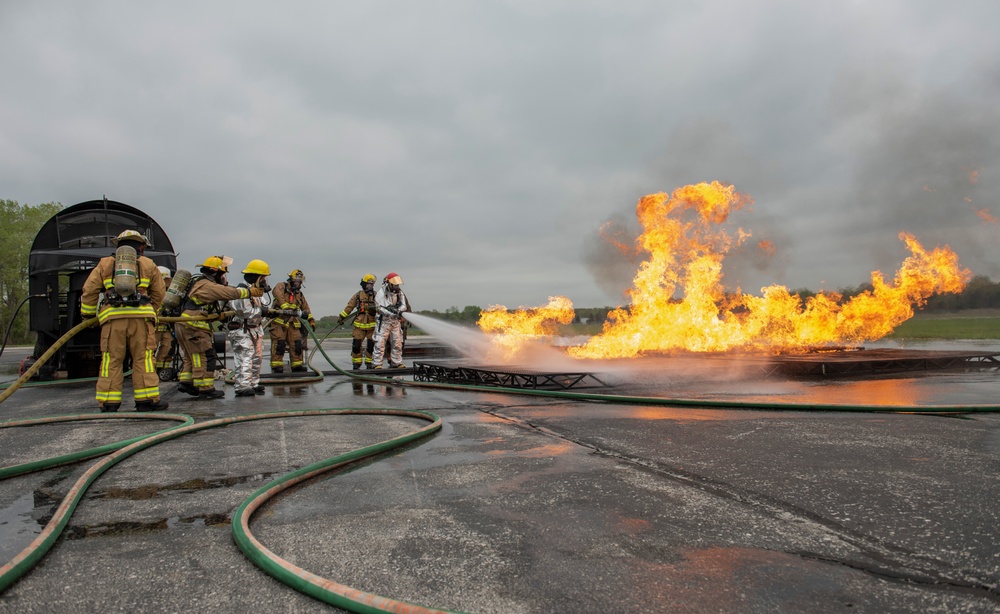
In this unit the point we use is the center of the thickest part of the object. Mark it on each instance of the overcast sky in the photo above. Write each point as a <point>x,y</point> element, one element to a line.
<point>476,147</point>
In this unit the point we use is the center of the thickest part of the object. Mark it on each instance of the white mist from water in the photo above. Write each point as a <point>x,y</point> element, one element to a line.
<point>479,348</point>
<point>470,343</point>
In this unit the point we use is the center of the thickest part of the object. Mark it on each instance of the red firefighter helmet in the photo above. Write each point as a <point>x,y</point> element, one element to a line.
<point>394,279</point>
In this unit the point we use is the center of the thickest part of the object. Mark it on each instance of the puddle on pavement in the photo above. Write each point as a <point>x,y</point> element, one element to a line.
<point>18,526</point>
<point>129,528</point>
<point>26,517</point>
<point>152,491</point>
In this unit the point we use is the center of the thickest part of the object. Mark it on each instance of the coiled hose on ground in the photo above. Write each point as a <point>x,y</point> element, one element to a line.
<point>299,579</point>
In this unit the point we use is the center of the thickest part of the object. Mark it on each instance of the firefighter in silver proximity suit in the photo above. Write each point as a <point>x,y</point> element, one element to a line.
<point>246,334</point>
<point>391,303</point>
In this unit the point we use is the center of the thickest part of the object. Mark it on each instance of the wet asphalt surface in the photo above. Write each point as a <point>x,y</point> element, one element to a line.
<point>525,504</point>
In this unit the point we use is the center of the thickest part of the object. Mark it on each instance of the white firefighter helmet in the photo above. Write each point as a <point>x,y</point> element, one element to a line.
<point>130,235</point>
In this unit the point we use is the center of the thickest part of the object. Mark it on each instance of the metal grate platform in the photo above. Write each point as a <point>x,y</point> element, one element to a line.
<point>506,377</point>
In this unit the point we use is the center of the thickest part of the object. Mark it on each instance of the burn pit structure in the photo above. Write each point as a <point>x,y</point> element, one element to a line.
<point>62,255</point>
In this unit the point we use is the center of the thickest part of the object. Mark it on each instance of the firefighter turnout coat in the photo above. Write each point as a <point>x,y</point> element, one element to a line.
<point>196,337</point>
<point>127,325</point>
<point>286,331</point>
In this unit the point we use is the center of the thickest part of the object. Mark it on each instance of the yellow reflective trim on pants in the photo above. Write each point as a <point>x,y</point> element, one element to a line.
<point>111,395</point>
<point>105,363</point>
<point>147,393</point>
<point>150,367</point>
<point>196,361</point>
<point>208,382</point>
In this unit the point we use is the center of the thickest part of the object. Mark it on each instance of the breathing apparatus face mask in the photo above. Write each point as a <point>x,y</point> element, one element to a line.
<point>368,287</point>
<point>257,280</point>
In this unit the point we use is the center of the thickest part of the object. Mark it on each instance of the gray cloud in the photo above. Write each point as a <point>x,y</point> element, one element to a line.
<point>476,148</point>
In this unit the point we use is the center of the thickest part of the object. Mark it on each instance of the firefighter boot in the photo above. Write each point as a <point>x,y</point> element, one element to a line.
<point>258,389</point>
<point>156,405</point>
<point>211,394</point>
<point>188,387</point>
<point>108,407</point>
<point>277,369</point>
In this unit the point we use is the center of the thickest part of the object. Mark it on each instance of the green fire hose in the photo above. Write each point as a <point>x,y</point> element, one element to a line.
<point>315,586</point>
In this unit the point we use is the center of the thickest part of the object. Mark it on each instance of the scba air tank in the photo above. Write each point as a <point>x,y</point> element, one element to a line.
<point>126,271</point>
<point>177,289</point>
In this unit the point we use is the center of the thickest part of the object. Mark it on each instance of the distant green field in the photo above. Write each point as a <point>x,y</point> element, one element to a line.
<point>948,328</point>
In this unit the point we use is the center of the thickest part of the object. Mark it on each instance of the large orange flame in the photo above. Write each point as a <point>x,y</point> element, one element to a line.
<point>678,301</point>
<point>510,330</point>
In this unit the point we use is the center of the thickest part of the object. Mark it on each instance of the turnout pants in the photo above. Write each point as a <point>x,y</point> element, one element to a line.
<point>137,337</point>
<point>165,351</point>
<point>357,355</point>
<point>289,338</point>
<point>197,348</point>
<point>248,352</point>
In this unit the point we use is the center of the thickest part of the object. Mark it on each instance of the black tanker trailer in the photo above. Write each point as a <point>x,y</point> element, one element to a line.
<point>64,251</point>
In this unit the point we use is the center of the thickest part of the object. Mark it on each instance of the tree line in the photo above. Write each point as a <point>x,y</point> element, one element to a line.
<point>17,232</point>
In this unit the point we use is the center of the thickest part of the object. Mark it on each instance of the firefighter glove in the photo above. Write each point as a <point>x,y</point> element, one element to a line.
<point>256,292</point>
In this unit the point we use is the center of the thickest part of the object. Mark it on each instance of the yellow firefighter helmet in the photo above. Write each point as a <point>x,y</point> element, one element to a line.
<point>257,266</point>
<point>215,262</point>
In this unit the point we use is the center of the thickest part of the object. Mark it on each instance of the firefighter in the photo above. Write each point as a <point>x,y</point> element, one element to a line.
<point>133,292</point>
<point>287,332</point>
<point>246,333</point>
<point>165,335</point>
<point>391,304</point>
<point>205,295</point>
<point>362,304</point>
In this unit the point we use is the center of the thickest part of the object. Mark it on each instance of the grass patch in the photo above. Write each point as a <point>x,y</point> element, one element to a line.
<point>948,328</point>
